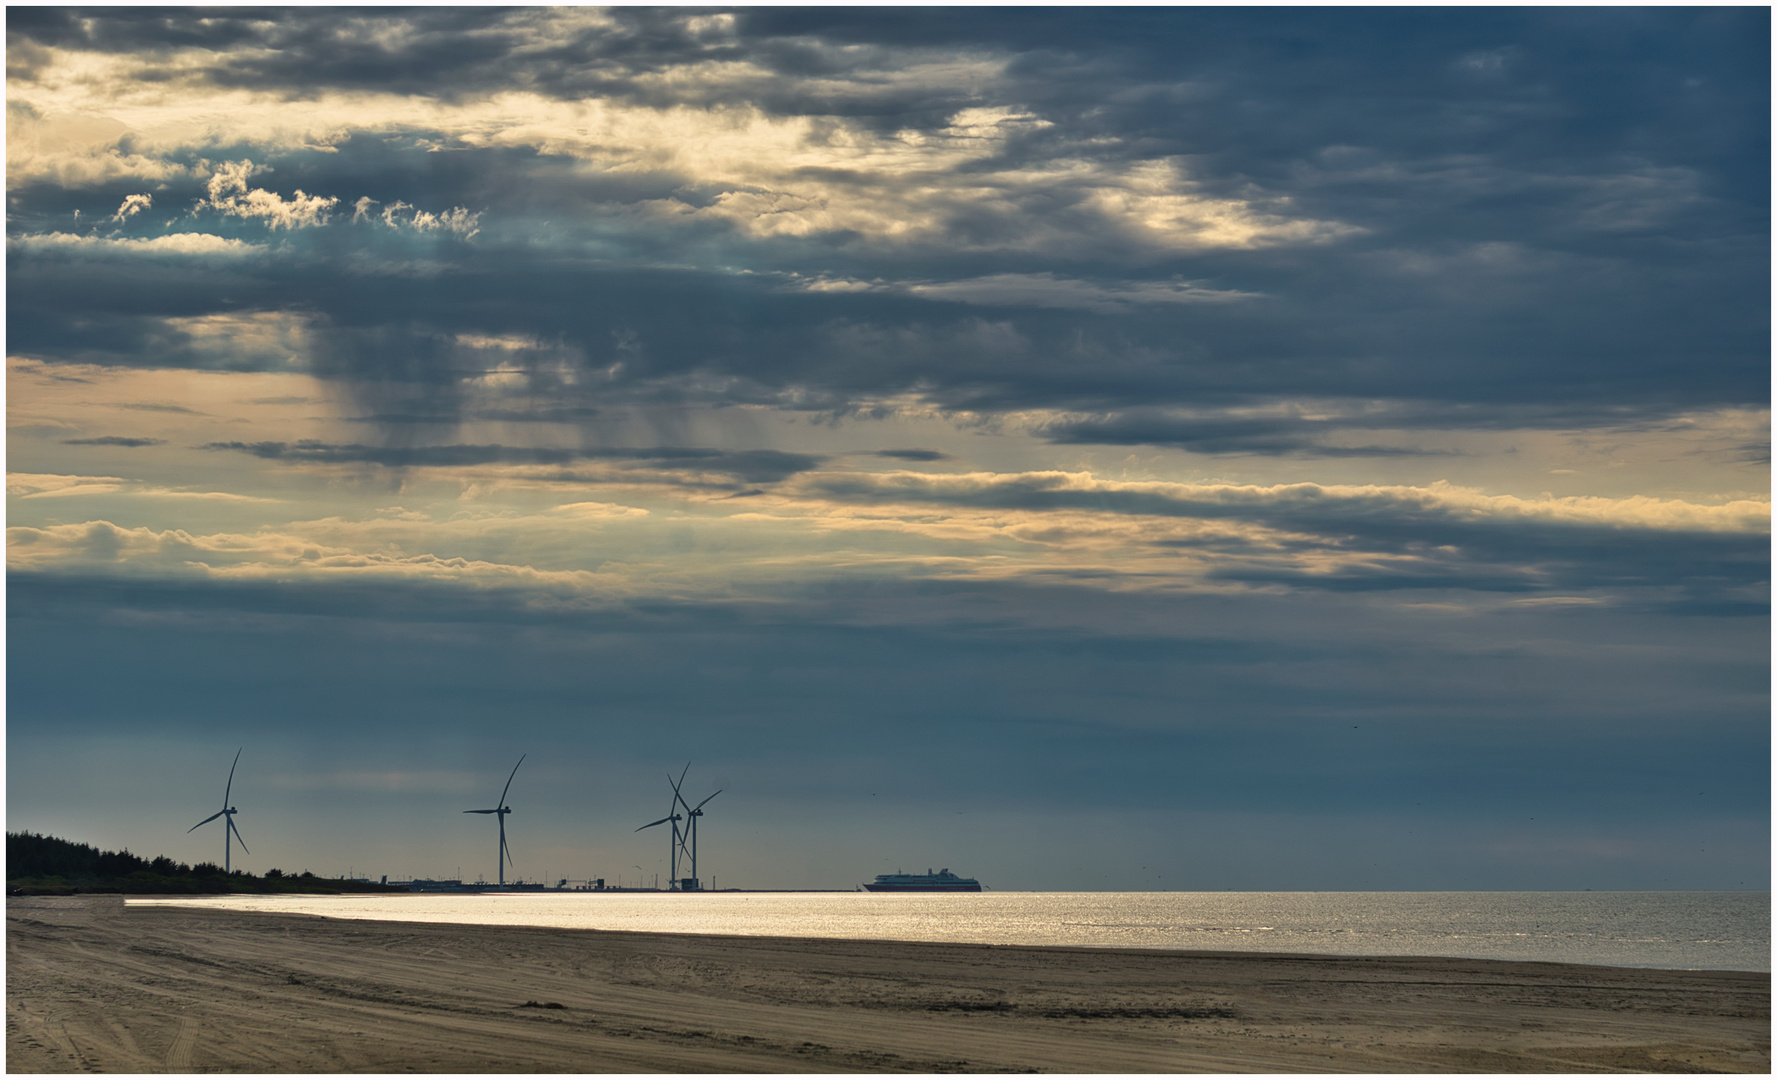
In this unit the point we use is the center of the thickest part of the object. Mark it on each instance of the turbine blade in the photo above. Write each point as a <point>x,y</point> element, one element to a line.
<point>650,824</point>
<point>700,805</point>
<point>508,786</point>
<point>230,787</point>
<point>481,811</point>
<point>207,820</point>
<point>237,835</point>
<point>504,850</point>
<point>679,800</point>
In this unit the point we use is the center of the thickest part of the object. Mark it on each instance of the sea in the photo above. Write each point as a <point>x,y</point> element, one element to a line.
<point>1676,930</point>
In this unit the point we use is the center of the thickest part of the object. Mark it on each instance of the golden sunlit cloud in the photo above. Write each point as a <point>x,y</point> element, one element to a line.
<point>177,244</point>
<point>764,173</point>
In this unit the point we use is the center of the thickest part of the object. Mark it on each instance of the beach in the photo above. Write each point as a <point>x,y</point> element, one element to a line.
<point>93,986</point>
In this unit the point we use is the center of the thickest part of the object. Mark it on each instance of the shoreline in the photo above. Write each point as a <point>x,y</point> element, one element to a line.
<point>92,985</point>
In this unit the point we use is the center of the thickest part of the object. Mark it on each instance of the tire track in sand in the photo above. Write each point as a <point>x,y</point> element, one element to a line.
<point>179,1054</point>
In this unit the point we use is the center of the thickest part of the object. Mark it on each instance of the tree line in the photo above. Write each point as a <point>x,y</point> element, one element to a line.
<point>38,865</point>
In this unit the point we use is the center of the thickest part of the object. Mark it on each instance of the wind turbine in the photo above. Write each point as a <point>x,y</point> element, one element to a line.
<point>688,837</point>
<point>227,814</point>
<point>678,841</point>
<point>501,809</point>
<point>691,828</point>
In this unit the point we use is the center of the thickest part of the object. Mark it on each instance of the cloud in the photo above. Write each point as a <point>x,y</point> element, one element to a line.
<point>75,148</point>
<point>1327,428</point>
<point>1156,373</point>
<point>1304,427</point>
<point>1342,503</point>
<point>229,194</point>
<point>1062,529</point>
<point>157,406</point>
<point>1047,290</point>
<point>28,484</point>
<point>753,466</point>
<point>1156,223</point>
<point>175,245</point>
<point>914,455</point>
<point>938,188</point>
<point>132,205</point>
<point>1224,433</point>
<point>276,558</point>
<point>40,486</point>
<point>1338,537</point>
<point>598,510</point>
<point>457,219</point>
<point>113,440</point>
<point>1041,290</point>
<point>952,169</point>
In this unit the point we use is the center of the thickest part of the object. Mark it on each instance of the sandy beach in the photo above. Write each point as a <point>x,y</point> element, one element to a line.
<point>92,986</point>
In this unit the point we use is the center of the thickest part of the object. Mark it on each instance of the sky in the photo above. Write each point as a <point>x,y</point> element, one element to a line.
<point>1154,448</point>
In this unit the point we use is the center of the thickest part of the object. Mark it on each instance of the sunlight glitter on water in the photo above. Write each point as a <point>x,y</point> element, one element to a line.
<point>1729,931</point>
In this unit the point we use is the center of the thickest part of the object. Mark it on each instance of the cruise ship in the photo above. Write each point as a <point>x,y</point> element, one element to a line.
<point>942,881</point>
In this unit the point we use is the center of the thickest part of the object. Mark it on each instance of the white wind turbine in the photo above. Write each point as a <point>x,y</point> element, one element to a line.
<point>227,814</point>
<point>501,809</point>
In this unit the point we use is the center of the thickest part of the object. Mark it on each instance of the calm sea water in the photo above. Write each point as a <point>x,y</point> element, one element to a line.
<point>1708,930</point>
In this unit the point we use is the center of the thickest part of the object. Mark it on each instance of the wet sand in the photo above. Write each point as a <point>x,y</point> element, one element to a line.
<point>91,986</point>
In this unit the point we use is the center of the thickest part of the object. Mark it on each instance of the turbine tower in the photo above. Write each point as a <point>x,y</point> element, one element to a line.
<point>227,814</point>
<point>691,829</point>
<point>678,839</point>
<point>501,809</point>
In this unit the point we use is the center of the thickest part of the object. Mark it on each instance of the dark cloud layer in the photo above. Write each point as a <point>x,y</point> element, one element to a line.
<point>113,440</point>
<point>913,455</point>
<point>1497,66</point>
<point>1396,540</point>
<point>1557,213</point>
<point>1294,432</point>
<point>842,352</point>
<point>756,466</point>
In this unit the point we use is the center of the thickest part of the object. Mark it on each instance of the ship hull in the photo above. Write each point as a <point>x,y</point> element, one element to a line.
<point>873,887</point>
